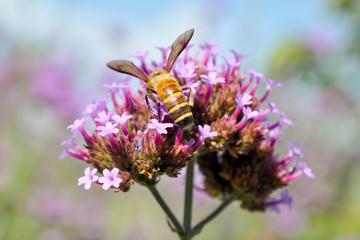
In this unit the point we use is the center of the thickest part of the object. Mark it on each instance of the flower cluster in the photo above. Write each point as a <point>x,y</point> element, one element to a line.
<point>233,140</point>
<point>131,146</point>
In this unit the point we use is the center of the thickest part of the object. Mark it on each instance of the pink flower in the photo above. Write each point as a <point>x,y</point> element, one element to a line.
<point>110,178</point>
<point>212,78</point>
<point>109,128</point>
<point>96,106</point>
<point>103,117</point>
<point>306,170</point>
<point>160,127</point>
<point>121,119</point>
<point>111,87</point>
<point>243,100</point>
<point>205,132</point>
<point>89,178</point>
<point>77,125</point>
<point>249,113</point>
<point>211,67</point>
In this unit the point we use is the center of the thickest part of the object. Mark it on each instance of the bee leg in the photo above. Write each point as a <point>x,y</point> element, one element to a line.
<point>151,95</point>
<point>191,96</point>
<point>148,104</point>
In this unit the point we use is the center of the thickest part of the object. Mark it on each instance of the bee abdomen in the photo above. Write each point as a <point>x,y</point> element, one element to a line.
<point>180,111</point>
<point>186,122</point>
<point>176,104</point>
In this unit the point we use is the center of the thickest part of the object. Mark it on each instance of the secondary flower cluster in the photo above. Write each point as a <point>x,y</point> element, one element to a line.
<point>233,139</point>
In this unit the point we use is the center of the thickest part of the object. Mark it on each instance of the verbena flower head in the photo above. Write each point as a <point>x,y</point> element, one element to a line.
<point>233,139</point>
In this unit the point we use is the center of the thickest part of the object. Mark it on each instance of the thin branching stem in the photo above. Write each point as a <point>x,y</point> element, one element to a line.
<point>217,211</point>
<point>166,209</point>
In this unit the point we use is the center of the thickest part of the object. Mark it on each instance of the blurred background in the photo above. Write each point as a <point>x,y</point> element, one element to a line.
<point>52,64</point>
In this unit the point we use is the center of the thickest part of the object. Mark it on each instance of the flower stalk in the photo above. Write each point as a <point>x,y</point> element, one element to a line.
<point>178,227</point>
<point>188,196</point>
<point>198,227</point>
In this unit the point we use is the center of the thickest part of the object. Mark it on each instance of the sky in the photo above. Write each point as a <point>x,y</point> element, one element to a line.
<point>250,27</point>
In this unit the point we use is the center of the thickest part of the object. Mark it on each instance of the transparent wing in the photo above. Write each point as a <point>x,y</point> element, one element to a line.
<point>128,67</point>
<point>177,47</point>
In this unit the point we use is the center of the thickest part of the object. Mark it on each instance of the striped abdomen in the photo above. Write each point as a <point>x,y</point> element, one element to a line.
<point>176,103</point>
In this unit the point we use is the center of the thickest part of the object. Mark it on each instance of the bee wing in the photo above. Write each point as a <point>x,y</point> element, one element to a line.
<point>128,67</point>
<point>177,47</point>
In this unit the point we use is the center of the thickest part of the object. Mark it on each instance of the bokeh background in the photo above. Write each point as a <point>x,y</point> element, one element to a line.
<point>52,64</point>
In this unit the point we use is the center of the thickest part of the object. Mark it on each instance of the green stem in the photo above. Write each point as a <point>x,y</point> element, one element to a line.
<point>214,214</point>
<point>166,209</point>
<point>188,197</point>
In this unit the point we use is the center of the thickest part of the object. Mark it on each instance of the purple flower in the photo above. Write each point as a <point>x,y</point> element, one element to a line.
<point>305,169</point>
<point>160,127</point>
<point>110,178</point>
<point>295,151</point>
<point>232,62</point>
<point>208,44</point>
<point>103,117</point>
<point>137,147</point>
<point>214,51</point>
<point>194,85</point>
<point>255,74</point>
<point>210,67</point>
<point>249,113</point>
<point>274,203</point>
<point>212,78</point>
<point>121,119</point>
<point>272,84</point>
<point>187,73</point>
<point>64,153</point>
<point>112,88</point>
<point>109,128</point>
<point>238,56</point>
<point>286,120</point>
<point>188,47</point>
<point>90,109</point>
<point>243,100</point>
<point>83,155</point>
<point>211,47</point>
<point>89,178</point>
<point>164,51</point>
<point>140,55</point>
<point>123,84</point>
<point>70,142</point>
<point>95,106</point>
<point>283,122</point>
<point>77,125</point>
<point>205,132</point>
<point>189,66</point>
<point>286,198</point>
<point>272,108</point>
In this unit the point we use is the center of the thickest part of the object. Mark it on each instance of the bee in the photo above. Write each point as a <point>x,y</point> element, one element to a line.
<point>165,85</point>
